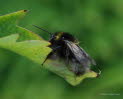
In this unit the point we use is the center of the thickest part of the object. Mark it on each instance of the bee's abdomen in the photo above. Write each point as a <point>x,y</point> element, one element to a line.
<point>76,67</point>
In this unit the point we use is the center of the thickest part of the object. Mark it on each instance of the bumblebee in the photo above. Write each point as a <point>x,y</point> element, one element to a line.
<point>65,46</point>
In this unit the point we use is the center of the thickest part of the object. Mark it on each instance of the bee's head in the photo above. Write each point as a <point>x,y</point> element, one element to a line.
<point>63,36</point>
<point>59,36</point>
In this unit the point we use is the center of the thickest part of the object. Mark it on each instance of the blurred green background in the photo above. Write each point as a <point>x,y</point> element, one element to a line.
<point>98,25</point>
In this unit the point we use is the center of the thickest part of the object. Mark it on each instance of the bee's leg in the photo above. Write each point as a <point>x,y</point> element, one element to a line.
<point>50,54</point>
<point>54,49</point>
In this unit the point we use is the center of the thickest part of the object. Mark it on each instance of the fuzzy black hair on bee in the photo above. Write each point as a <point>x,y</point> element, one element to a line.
<point>65,46</point>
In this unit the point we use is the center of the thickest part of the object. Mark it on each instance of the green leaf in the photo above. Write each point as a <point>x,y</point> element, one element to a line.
<point>61,69</point>
<point>32,46</point>
<point>35,50</point>
<point>8,25</point>
<point>21,40</point>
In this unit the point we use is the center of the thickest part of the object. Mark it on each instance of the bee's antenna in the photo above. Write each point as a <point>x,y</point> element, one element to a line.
<point>43,29</point>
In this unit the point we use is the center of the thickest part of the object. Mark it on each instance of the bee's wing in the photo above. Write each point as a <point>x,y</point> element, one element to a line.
<point>79,53</point>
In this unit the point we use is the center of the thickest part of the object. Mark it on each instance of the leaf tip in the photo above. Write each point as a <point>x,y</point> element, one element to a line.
<point>25,10</point>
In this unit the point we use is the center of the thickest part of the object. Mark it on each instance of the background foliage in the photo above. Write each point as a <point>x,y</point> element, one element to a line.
<point>97,25</point>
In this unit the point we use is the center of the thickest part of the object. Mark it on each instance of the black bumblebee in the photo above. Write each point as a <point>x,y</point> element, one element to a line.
<point>65,46</point>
